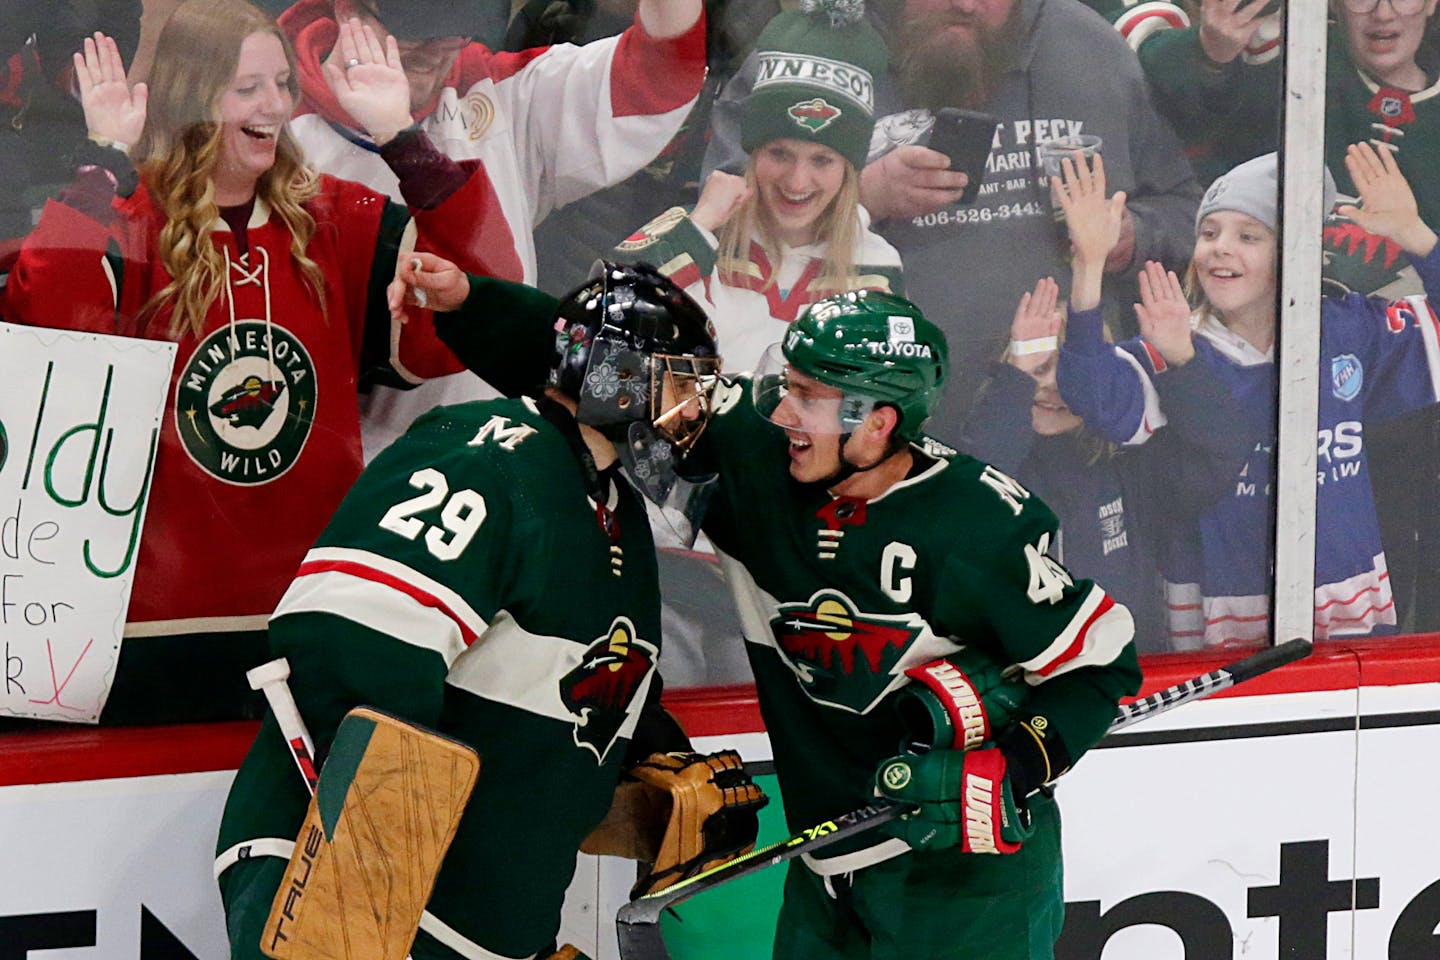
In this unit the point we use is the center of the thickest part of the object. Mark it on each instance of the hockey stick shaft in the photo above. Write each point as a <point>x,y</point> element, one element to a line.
<point>271,679</point>
<point>1221,678</point>
<point>638,921</point>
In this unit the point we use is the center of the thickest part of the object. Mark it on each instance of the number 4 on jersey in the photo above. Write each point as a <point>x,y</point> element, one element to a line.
<point>1048,579</point>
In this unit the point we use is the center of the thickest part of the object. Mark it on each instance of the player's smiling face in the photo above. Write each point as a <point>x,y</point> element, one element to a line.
<point>253,109</point>
<point>810,417</point>
<point>796,182</point>
<point>1235,261</point>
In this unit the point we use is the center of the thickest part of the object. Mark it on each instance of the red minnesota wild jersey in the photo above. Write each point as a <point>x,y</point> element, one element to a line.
<point>467,583</point>
<point>839,596</point>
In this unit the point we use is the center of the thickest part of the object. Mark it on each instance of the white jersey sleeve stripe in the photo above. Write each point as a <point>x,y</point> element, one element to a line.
<point>381,605</point>
<point>1095,636</point>
<point>1152,418</point>
<point>1430,336</point>
<point>395,572</point>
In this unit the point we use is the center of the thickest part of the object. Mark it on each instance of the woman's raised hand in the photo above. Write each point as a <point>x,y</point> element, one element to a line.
<point>368,80</point>
<point>1387,204</point>
<point>114,110</point>
<point>721,197</point>
<point>1094,221</point>
<point>1164,314</point>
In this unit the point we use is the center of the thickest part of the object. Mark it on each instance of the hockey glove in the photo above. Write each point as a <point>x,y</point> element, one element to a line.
<point>959,702</point>
<point>964,798</point>
<point>683,812</point>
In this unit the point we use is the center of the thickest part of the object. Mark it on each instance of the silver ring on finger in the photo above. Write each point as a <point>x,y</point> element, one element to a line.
<point>352,62</point>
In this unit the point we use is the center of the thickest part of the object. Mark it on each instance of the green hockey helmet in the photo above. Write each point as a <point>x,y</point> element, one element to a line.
<point>875,347</point>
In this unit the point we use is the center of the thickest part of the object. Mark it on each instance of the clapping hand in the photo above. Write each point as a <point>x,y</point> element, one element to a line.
<point>1387,204</point>
<point>1164,314</point>
<point>368,80</point>
<point>114,110</point>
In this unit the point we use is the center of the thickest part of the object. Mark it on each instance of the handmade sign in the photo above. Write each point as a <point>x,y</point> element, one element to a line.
<point>80,419</point>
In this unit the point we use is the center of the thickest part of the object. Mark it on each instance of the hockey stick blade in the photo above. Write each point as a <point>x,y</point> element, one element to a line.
<point>637,923</point>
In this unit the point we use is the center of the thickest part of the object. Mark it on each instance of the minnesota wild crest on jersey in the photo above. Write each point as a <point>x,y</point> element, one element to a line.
<point>468,584</point>
<point>840,596</point>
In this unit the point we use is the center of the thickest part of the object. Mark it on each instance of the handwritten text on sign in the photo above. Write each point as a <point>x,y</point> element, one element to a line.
<point>79,424</point>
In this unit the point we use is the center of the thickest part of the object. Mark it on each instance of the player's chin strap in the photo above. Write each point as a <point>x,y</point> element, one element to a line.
<point>848,468</point>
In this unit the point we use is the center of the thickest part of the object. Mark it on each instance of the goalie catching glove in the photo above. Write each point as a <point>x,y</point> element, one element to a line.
<point>703,808</point>
<point>964,799</point>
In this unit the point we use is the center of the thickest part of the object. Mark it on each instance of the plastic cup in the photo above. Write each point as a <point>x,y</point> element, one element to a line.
<point>1051,152</point>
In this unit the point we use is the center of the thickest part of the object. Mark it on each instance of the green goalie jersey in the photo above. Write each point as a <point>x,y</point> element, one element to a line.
<point>839,596</point>
<point>469,583</point>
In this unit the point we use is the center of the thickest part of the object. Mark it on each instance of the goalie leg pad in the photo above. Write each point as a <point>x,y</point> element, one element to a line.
<point>387,806</point>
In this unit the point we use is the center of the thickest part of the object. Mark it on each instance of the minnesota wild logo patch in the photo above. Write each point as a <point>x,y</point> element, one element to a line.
<point>605,689</point>
<point>843,657</point>
<point>245,402</point>
<point>814,115</point>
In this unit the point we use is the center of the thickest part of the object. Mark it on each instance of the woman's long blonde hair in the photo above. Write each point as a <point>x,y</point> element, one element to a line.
<point>179,147</point>
<point>838,226</point>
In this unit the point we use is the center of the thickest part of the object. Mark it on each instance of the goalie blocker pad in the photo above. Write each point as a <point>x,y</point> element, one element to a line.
<point>389,800</point>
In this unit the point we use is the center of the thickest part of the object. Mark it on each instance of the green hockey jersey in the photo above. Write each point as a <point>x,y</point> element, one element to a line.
<point>468,582</point>
<point>839,596</point>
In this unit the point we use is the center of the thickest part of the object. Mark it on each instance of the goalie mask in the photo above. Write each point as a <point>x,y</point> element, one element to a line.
<point>875,348</point>
<point>639,358</point>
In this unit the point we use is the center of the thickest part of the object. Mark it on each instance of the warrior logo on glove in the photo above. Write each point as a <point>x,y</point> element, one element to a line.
<point>608,686</point>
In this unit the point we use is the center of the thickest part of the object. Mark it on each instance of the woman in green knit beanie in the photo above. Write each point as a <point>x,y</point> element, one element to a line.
<point>757,248</point>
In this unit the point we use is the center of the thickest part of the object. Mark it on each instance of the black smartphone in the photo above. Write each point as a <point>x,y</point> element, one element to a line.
<point>965,137</point>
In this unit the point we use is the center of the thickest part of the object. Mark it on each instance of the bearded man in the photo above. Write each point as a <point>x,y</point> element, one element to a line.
<point>1044,69</point>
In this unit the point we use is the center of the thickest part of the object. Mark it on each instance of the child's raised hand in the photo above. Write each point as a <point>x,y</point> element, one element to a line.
<point>114,110</point>
<point>1164,314</point>
<point>1035,330</point>
<point>1093,220</point>
<point>1387,204</point>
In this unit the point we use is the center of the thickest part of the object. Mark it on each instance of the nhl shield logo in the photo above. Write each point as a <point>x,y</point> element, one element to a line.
<point>245,402</point>
<point>843,657</point>
<point>1347,376</point>
<point>602,692</point>
<point>814,115</point>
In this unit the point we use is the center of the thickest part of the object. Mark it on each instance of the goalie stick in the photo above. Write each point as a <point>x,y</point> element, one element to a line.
<point>637,924</point>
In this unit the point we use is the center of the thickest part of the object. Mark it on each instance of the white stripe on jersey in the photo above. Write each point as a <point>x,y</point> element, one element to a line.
<point>1152,418</point>
<point>467,948</point>
<point>1095,639</point>
<point>513,666</point>
<point>1237,619</point>
<point>1430,336</point>
<point>1355,605</point>
<point>376,605</point>
<point>456,604</point>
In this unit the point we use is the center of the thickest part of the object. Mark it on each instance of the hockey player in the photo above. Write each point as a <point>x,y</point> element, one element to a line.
<point>492,575</point>
<point>543,127</point>
<point>881,578</point>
